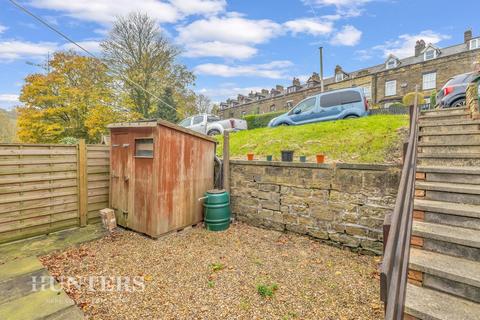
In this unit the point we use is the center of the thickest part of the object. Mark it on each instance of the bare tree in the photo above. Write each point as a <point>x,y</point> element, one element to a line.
<point>136,50</point>
<point>203,104</point>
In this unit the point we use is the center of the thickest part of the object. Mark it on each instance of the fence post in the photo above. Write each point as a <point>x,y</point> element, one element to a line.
<point>226,161</point>
<point>82,182</point>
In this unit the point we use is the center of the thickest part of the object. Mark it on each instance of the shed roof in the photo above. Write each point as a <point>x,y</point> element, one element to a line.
<point>159,122</point>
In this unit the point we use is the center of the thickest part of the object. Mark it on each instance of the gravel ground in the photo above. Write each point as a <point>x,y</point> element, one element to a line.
<point>196,274</point>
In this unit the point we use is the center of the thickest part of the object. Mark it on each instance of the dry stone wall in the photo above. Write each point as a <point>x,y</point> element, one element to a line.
<point>344,204</point>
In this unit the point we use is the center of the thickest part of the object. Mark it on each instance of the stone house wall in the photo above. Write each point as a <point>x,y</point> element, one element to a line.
<point>343,204</point>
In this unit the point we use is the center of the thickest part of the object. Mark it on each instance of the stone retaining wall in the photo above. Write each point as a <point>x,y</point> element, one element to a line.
<point>344,204</point>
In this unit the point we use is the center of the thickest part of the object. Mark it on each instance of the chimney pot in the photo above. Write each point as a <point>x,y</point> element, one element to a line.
<point>467,36</point>
<point>419,46</point>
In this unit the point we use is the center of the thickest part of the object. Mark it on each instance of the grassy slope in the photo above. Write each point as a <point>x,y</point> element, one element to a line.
<point>372,139</point>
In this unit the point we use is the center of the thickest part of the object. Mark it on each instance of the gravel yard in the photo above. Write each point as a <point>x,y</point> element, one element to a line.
<point>196,274</point>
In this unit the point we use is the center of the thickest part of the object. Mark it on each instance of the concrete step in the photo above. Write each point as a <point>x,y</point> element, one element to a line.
<point>449,126</point>
<point>449,160</point>
<point>450,192</point>
<point>449,147</point>
<point>450,137</point>
<point>452,214</point>
<point>469,175</point>
<point>429,304</point>
<point>457,276</point>
<point>445,111</point>
<point>451,240</point>
<point>424,118</point>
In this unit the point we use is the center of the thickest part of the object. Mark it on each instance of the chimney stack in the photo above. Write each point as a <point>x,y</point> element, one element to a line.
<point>419,46</point>
<point>467,36</point>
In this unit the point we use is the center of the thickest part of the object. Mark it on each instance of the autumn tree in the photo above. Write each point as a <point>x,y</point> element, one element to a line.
<point>145,62</point>
<point>74,99</point>
<point>7,126</point>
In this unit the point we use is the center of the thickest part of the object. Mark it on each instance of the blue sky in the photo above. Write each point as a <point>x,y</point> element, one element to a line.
<point>240,45</point>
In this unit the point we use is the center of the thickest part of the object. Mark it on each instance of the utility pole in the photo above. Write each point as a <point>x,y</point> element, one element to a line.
<point>322,88</point>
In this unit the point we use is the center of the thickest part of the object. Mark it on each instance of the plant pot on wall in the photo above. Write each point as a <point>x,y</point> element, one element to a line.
<point>269,157</point>
<point>250,156</point>
<point>303,158</point>
<point>320,158</point>
<point>287,155</point>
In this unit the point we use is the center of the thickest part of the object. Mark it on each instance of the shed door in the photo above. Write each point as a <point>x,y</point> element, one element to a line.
<point>120,177</point>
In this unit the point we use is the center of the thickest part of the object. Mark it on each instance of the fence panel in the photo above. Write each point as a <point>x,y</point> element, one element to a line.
<point>40,188</point>
<point>98,173</point>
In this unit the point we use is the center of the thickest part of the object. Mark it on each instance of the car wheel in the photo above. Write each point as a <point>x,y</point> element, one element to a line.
<point>459,103</point>
<point>213,132</point>
<point>352,116</point>
<point>283,124</point>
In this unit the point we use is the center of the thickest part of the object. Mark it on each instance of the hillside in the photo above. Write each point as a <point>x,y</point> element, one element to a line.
<point>373,139</point>
<point>7,125</point>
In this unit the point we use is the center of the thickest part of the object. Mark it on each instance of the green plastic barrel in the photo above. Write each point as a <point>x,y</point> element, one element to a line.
<point>217,210</point>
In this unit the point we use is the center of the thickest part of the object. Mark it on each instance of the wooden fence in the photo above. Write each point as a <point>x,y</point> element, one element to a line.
<point>47,188</point>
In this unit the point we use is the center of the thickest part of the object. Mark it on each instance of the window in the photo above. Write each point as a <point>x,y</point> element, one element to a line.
<point>305,106</point>
<point>291,89</point>
<point>272,108</point>
<point>430,54</point>
<point>474,44</point>
<point>339,98</point>
<point>391,88</point>
<point>144,148</point>
<point>211,118</point>
<point>185,123</point>
<point>339,77</point>
<point>429,81</point>
<point>392,63</point>
<point>197,120</point>
<point>368,92</point>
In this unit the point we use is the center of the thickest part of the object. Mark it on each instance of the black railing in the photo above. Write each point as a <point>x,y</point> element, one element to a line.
<point>397,232</point>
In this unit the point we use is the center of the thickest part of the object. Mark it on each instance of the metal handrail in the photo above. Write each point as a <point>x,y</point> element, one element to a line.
<point>394,269</point>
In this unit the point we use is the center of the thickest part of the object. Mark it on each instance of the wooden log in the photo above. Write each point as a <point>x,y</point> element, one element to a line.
<point>226,161</point>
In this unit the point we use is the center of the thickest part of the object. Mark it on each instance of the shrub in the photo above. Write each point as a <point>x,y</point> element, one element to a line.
<point>68,140</point>
<point>267,291</point>
<point>261,120</point>
<point>409,99</point>
<point>396,105</point>
<point>433,98</point>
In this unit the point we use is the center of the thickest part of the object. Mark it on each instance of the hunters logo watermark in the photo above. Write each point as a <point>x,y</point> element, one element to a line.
<point>92,283</point>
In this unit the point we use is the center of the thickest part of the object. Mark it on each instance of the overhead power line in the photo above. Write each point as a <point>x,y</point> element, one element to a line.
<point>63,35</point>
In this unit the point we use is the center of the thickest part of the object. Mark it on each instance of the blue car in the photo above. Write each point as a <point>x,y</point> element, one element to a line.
<point>332,105</point>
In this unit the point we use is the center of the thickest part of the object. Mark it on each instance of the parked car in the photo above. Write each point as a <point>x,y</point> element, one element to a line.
<point>453,93</point>
<point>212,125</point>
<point>332,105</point>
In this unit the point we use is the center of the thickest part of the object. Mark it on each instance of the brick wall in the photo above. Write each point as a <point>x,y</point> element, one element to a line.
<point>343,204</point>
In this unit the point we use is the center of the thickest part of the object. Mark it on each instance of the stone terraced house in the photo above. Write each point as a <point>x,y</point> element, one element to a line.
<point>384,84</point>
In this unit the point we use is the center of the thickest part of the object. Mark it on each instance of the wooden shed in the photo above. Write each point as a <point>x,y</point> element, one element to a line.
<point>158,173</point>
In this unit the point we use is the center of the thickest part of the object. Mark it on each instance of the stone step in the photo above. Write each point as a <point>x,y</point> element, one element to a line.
<point>450,192</point>
<point>443,117</point>
<point>449,160</point>
<point>451,240</point>
<point>450,137</point>
<point>442,111</point>
<point>449,126</point>
<point>437,148</point>
<point>453,214</point>
<point>423,303</point>
<point>37,305</point>
<point>469,175</point>
<point>19,267</point>
<point>457,276</point>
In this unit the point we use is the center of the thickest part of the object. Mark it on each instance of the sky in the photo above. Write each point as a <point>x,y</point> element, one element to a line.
<point>240,45</point>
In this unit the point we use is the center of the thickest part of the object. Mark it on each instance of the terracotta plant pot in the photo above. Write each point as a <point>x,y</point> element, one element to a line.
<point>320,158</point>
<point>250,156</point>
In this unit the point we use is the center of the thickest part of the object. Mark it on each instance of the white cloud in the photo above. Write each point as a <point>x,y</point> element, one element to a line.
<point>344,8</point>
<point>105,11</point>
<point>404,45</point>
<point>2,28</point>
<point>90,45</point>
<point>220,49</point>
<point>311,26</point>
<point>347,36</point>
<point>13,50</point>
<point>232,36</point>
<point>203,7</point>
<point>272,70</point>
<point>8,100</point>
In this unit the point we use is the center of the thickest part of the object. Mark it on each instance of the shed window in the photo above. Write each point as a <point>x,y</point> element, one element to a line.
<point>144,148</point>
